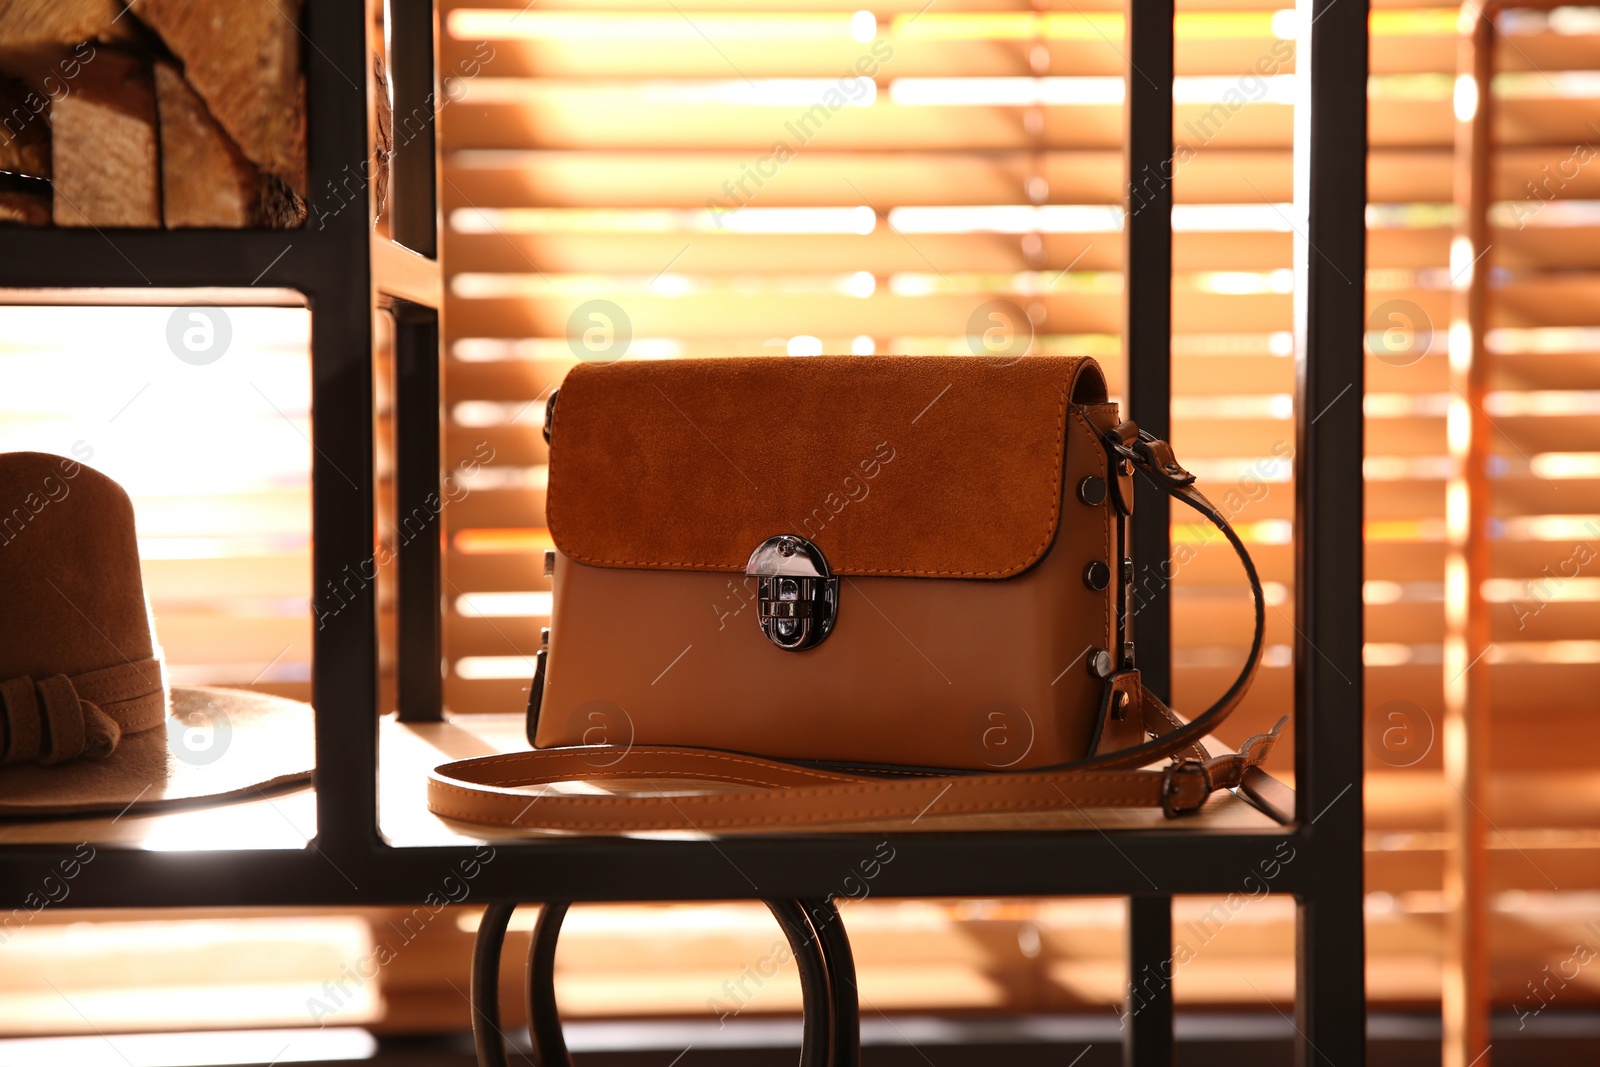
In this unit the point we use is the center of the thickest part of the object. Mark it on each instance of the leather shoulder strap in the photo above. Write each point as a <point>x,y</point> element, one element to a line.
<point>1153,458</point>
<point>661,788</point>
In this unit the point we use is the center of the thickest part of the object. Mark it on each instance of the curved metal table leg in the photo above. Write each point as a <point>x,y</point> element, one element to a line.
<point>487,1036</point>
<point>845,1001</point>
<point>544,1018</point>
<point>816,936</point>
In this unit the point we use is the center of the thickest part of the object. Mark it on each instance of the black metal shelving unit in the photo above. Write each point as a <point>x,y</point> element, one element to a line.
<point>341,270</point>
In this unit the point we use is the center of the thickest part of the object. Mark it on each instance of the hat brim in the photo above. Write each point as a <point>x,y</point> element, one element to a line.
<point>217,745</point>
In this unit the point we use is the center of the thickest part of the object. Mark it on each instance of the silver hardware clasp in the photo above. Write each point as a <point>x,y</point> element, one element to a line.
<point>798,596</point>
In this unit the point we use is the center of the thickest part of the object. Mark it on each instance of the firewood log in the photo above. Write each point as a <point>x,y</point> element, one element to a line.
<point>35,22</point>
<point>24,201</point>
<point>243,58</point>
<point>105,154</point>
<point>24,130</point>
<point>205,179</point>
<point>383,138</point>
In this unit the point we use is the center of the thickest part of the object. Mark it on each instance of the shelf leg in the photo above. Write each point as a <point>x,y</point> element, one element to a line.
<point>419,506</point>
<point>414,75</point>
<point>1330,1014</point>
<point>1147,1022</point>
<point>1330,196</point>
<point>841,970</point>
<point>487,1036</point>
<point>1147,329</point>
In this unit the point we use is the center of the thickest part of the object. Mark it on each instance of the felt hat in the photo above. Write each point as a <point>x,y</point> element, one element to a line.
<point>87,721</point>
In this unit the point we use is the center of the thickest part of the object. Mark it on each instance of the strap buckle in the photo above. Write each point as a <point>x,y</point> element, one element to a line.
<point>1173,788</point>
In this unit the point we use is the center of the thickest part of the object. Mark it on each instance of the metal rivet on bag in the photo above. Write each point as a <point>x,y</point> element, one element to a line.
<point>1100,663</point>
<point>1097,576</point>
<point>1092,490</point>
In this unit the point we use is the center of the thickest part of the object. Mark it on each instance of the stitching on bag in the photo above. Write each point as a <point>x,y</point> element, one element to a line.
<point>888,773</point>
<point>844,789</point>
<point>763,783</point>
<point>511,758</point>
<point>438,783</point>
<point>734,798</point>
<point>1101,778</point>
<point>722,567</point>
<point>661,822</point>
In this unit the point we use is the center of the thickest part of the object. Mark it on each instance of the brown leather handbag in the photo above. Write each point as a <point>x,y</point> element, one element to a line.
<point>844,589</point>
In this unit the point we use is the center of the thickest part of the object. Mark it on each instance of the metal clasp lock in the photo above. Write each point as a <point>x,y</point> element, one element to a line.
<point>797,595</point>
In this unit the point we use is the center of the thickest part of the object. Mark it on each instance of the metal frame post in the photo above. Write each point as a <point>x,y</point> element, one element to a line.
<point>1147,345</point>
<point>420,495</point>
<point>344,684</point>
<point>1330,193</point>
<point>411,28</point>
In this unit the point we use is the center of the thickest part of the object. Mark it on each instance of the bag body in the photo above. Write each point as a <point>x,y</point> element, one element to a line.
<point>962,508</point>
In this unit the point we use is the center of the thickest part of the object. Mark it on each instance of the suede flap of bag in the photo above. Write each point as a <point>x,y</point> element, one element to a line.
<point>664,465</point>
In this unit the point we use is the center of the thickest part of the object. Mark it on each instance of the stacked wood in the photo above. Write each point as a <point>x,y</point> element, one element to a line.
<point>243,58</point>
<point>24,131</point>
<point>205,178</point>
<point>383,138</point>
<point>182,113</point>
<point>22,203</point>
<point>107,170</point>
<point>36,22</point>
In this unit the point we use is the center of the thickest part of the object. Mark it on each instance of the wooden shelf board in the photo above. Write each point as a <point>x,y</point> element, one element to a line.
<point>277,821</point>
<point>399,272</point>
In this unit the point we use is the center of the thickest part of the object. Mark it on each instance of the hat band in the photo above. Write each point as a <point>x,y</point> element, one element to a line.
<point>59,718</point>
